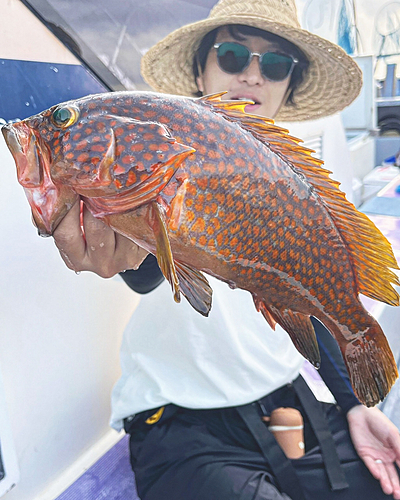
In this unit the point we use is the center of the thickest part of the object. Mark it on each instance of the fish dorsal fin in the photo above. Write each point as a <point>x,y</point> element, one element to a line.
<point>370,252</point>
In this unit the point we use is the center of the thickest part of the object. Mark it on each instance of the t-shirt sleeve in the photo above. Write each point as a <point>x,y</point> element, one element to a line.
<point>146,278</point>
<point>333,370</point>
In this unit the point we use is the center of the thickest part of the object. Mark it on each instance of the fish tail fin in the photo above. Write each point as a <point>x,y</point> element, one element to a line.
<point>371,365</point>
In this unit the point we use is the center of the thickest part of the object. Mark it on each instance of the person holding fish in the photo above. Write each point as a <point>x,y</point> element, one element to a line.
<point>197,394</point>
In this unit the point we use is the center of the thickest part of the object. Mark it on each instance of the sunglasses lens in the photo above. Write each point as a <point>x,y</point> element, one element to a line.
<point>276,67</point>
<point>232,57</point>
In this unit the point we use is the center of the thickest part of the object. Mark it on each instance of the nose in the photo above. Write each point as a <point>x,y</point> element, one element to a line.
<point>252,74</point>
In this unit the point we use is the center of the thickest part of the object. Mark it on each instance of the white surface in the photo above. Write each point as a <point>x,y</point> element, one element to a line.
<point>230,358</point>
<point>24,37</point>
<point>80,466</point>
<point>8,455</point>
<point>361,114</point>
<point>60,336</point>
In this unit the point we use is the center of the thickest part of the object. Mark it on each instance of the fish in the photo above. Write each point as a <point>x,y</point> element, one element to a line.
<point>210,189</point>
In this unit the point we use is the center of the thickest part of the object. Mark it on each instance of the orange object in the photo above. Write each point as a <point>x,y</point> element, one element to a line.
<point>206,187</point>
<point>286,424</point>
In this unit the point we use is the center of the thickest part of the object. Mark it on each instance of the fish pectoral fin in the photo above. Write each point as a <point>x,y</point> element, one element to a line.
<point>164,254</point>
<point>195,287</point>
<point>301,332</point>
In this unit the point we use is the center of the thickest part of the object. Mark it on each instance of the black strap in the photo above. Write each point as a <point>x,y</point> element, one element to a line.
<point>320,427</point>
<point>281,466</point>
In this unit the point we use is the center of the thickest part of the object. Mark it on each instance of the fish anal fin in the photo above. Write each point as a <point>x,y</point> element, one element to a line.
<point>262,307</point>
<point>195,287</point>
<point>301,332</point>
<point>163,248</point>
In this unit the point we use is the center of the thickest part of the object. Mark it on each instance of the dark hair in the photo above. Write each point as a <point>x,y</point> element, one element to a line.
<point>239,32</point>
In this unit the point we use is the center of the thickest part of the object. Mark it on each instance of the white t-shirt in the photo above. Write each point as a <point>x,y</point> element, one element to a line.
<point>172,354</point>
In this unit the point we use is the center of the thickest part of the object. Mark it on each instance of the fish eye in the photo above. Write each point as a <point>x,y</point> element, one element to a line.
<point>65,117</point>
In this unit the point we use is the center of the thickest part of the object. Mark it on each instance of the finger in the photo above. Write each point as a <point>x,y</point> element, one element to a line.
<point>385,481</point>
<point>100,238</point>
<point>373,467</point>
<point>129,255</point>
<point>394,479</point>
<point>69,239</point>
<point>108,252</point>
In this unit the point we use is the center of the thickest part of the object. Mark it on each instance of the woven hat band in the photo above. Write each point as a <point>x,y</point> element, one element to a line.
<point>282,11</point>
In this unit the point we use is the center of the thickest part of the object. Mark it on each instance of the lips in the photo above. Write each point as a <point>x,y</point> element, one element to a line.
<point>247,98</point>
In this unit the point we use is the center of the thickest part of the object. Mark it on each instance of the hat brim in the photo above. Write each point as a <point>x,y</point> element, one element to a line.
<point>332,82</point>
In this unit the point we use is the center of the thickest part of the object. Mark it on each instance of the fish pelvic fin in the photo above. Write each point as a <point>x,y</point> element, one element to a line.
<point>369,250</point>
<point>195,288</point>
<point>163,252</point>
<point>371,365</point>
<point>297,325</point>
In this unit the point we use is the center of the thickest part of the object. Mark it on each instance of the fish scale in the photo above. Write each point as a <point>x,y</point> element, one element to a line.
<point>206,187</point>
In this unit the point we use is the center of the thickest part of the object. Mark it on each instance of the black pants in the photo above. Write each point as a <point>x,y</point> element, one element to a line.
<point>213,455</point>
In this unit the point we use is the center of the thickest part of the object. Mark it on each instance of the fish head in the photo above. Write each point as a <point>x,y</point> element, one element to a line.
<point>49,202</point>
<point>91,147</point>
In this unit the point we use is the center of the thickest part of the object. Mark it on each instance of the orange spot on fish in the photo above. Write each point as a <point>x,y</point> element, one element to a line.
<point>98,147</point>
<point>230,218</point>
<point>190,216</point>
<point>202,183</point>
<point>81,145</point>
<point>119,170</point>
<point>147,156</point>
<point>117,184</point>
<point>137,147</point>
<point>230,169</point>
<point>131,178</point>
<point>203,240</point>
<point>83,157</point>
<point>239,162</point>
<point>199,225</point>
<point>209,167</point>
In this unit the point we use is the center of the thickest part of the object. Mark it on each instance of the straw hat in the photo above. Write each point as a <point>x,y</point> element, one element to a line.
<point>332,82</point>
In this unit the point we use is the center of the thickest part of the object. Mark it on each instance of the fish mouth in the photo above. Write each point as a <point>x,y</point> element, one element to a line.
<point>49,203</point>
<point>11,140</point>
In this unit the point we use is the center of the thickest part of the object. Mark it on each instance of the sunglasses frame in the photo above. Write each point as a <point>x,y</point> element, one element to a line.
<point>295,61</point>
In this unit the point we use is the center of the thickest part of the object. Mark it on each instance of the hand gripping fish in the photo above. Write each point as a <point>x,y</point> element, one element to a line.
<point>206,187</point>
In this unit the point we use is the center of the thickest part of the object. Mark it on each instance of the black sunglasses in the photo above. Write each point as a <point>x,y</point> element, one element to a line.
<point>234,58</point>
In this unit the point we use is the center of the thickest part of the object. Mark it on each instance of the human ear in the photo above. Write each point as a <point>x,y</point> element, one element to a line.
<point>200,83</point>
